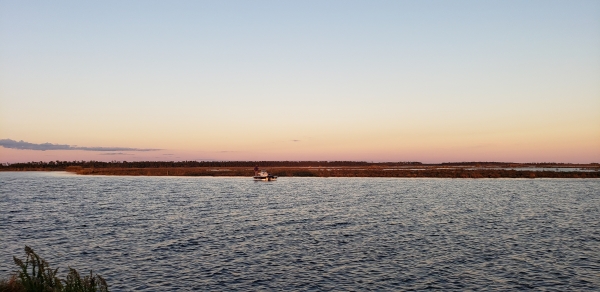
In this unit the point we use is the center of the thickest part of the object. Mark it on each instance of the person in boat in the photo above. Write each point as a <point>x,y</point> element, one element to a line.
<point>256,170</point>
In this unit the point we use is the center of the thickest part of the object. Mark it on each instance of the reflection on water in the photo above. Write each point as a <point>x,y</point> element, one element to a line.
<point>169,233</point>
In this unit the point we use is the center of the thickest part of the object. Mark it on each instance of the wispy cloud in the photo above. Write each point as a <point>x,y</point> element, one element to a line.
<point>115,153</point>
<point>22,145</point>
<point>295,140</point>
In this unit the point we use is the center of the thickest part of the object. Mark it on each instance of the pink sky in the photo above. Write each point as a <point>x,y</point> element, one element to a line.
<point>427,154</point>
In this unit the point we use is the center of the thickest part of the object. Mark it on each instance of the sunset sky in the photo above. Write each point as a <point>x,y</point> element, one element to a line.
<point>429,81</point>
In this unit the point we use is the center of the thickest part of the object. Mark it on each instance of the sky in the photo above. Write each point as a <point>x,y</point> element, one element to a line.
<point>430,81</point>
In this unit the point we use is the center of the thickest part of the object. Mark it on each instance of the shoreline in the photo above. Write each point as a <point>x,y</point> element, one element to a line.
<point>425,172</point>
<point>317,169</point>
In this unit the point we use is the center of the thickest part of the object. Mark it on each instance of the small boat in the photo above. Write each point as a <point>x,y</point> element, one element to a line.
<point>263,175</point>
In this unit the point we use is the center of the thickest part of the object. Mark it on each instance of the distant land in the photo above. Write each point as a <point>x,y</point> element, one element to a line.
<point>317,169</point>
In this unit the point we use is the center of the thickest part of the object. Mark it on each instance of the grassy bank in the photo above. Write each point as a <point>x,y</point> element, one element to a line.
<point>372,171</point>
<point>315,169</point>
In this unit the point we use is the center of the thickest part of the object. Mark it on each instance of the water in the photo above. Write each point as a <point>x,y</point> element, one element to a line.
<point>307,234</point>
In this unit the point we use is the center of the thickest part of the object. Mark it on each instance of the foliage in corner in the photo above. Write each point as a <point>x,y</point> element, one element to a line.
<point>35,275</point>
<point>91,283</point>
<point>41,277</point>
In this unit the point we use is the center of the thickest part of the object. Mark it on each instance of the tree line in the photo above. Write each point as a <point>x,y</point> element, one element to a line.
<point>62,165</point>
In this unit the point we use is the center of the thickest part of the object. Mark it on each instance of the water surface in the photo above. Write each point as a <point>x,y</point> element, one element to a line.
<point>307,234</point>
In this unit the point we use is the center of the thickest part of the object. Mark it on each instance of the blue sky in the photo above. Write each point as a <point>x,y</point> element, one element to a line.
<point>353,80</point>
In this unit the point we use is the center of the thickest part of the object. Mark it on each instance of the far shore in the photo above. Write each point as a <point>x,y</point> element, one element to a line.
<point>323,169</point>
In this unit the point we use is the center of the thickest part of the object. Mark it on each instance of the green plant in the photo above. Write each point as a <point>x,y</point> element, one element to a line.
<point>41,278</point>
<point>91,283</point>
<point>35,275</point>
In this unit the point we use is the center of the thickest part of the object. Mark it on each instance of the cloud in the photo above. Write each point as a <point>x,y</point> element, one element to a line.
<point>295,140</point>
<point>115,153</point>
<point>22,145</point>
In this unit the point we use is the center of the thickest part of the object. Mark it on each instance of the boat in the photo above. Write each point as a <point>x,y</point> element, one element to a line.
<point>263,175</point>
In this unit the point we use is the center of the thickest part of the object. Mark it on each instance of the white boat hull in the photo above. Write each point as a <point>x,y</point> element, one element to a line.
<point>265,178</point>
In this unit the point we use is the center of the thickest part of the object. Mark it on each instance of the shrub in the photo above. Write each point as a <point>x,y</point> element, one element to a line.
<point>36,275</point>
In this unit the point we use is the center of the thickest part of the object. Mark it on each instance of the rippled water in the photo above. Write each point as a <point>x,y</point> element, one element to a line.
<point>178,233</point>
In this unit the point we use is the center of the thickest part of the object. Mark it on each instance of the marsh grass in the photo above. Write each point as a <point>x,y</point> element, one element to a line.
<point>90,283</point>
<point>371,171</point>
<point>35,274</point>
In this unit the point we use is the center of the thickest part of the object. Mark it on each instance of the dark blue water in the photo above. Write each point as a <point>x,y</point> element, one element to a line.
<point>308,234</point>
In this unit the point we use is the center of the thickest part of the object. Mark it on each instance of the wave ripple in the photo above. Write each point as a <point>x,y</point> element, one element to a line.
<point>306,234</point>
